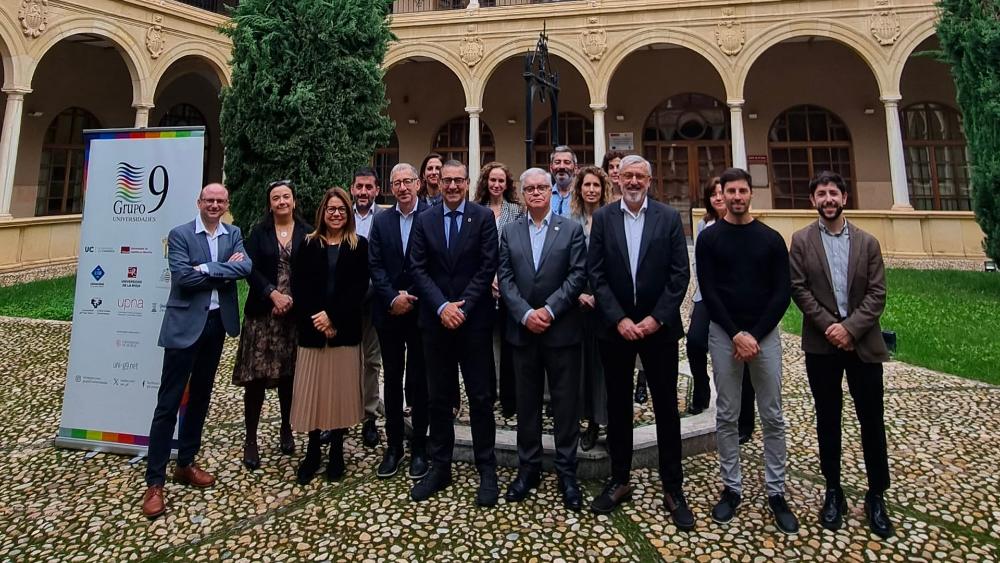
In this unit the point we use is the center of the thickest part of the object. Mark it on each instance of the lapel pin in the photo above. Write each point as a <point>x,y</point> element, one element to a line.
<point>557,228</point>
<point>469,220</point>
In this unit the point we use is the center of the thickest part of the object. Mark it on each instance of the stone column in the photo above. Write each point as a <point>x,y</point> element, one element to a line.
<point>473,5</point>
<point>600,137</point>
<point>12,116</point>
<point>142,115</point>
<point>897,160</point>
<point>474,150</point>
<point>736,128</point>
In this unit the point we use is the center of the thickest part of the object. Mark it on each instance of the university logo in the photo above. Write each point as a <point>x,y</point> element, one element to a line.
<point>97,273</point>
<point>133,272</point>
<point>133,188</point>
<point>96,302</point>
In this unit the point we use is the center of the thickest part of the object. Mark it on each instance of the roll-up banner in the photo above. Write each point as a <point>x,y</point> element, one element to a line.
<point>139,183</point>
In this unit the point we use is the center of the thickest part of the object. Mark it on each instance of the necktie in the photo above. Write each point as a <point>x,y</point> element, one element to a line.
<point>452,228</point>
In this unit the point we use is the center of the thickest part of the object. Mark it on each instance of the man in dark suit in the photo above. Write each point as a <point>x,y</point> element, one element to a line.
<point>453,261</point>
<point>364,190</point>
<point>543,269</point>
<point>394,313</point>
<point>838,280</point>
<point>206,257</point>
<point>639,273</point>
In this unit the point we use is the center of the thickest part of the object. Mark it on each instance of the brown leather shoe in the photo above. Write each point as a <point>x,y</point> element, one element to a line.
<point>194,476</point>
<point>153,504</point>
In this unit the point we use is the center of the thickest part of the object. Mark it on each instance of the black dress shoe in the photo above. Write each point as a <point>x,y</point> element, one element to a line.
<point>391,460</point>
<point>588,438</point>
<point>488,491</point>
<point>286,442</point>
<point>878,516</point>
<point>744,438</point>
<point>251,457</point>
<point>784,518</point>
<point>614,493</point>
<point>508,411</point>
<point>369,433</point>
<point>572,497</point>
<point>695,409</point>
<point>308,468</point>
<point>831,516</point>
<point>521,486</point>
<point>640,389</point>
<point>677,505</point>
<point>725,509</point>
<point>418,464</point>
<point>435,480</point>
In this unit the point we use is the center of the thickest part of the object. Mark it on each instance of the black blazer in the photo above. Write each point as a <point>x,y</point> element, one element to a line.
<point>465,273</point>
<point>262,247</point>
<point>309,283</point>
<point>662,275</point>
<point>389,262</point>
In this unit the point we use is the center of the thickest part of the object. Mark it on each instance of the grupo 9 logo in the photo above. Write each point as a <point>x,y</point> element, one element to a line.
<point>132,184</point>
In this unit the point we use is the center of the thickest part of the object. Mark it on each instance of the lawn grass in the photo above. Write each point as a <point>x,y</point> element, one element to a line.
<point>53,299</point>
<point>945,320</point>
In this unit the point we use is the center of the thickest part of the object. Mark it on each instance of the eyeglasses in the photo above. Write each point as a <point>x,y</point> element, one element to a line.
<point>456,181</point>
<point>277,183</point>
<point>341,210</point>
<point>403,182</point>
<point>537,189</point>
<point>629,176</point>
<point>214,201</point>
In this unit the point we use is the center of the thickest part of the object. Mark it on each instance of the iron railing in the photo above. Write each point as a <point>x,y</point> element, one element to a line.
<point>217,6</point>
<point>410,6</point>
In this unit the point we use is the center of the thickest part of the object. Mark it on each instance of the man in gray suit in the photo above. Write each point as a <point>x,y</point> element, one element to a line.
<point>543,269</point>
<point>206,257</point>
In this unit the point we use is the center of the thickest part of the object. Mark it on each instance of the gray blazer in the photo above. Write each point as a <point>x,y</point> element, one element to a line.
<point>191,290</point>
<point>561,276</point>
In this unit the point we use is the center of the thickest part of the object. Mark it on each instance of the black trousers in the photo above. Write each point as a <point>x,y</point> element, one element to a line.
<point>193,367</point>
<point>507,380</point>
<point>659,360</point>
<point>444,351</point>
<point>562,366</point>
<point>403,354</point>
<point>826,372</point>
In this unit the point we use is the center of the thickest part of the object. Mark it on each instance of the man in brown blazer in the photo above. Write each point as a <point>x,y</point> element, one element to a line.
<point>838,281</point>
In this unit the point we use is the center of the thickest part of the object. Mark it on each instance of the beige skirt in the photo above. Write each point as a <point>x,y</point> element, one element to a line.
<point>328,391</point>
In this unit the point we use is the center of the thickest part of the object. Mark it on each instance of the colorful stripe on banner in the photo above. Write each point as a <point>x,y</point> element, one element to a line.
<point>98,136</point>
<point>99,436</point>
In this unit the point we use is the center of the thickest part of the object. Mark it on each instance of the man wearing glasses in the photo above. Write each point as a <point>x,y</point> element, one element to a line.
<point>206,257</point>
<point>453,261</point>
<point>395,309</point>
<point>638,264</point>
<point>364,190</point>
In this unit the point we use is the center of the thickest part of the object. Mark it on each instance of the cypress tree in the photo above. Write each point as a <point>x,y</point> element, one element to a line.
<point>969,33</point>
<point>307,101</point>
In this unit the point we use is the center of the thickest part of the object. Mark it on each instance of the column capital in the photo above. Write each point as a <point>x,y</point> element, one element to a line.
<point>735,104</point>
<point>473,110</point>
<point>892,100</point>
<point>599,107</point>
<point>17,91</point>
<point>144,106</point>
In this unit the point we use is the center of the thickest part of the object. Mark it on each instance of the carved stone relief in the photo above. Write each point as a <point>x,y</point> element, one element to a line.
<point>155,41</point>
<point>884,23</point>
<point>34,16</point>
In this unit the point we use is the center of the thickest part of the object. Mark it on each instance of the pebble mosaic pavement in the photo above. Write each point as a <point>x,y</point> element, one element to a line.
<point>58,505</point>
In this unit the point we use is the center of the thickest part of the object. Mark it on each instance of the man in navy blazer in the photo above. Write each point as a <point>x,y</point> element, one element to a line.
<point>206,257</point>
<point>639,272</point>
<point>453,262</point>
<point>543,269</point>
<point>394,314</point>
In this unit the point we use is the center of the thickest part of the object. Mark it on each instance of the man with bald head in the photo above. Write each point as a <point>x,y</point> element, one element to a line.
<point>206,257</point>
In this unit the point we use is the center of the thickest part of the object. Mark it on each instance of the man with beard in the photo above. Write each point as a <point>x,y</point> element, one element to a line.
<point>453,260</point>
<point>364,190</point>
<point>838,280</point>
<point>638,264</point>
<point>562,167</point>
<point>743,276</point>
<point>394,313</point>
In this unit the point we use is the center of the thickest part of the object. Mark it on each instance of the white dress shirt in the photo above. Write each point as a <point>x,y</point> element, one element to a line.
<point>363,223</point>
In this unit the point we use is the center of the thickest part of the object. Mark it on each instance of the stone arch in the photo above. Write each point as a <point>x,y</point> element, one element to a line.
<point>402,51</point>
<point>127,46</point>
<point>905,46</point>
<point>837,31</point>
<point>215,60</point>
<point>10,42</point>
<point>673,36</point>
<point>557,46</point>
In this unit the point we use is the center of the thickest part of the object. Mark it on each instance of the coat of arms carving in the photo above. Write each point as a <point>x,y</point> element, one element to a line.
<point>884,23</point>
<point>595,43</point>
<point>471,50</point>
<point>730,37</point>
<point>34,15</point>
<point>155,42</point>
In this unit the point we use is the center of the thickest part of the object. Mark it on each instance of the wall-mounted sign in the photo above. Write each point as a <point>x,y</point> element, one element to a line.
<point>621,142</point>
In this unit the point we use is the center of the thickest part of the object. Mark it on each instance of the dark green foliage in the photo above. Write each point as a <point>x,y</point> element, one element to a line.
<point>969,32</point>
<point>307,99</point>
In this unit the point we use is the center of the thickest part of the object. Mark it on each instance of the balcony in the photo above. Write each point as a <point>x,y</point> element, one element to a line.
<point>217,6</point>
<point>411,6</point>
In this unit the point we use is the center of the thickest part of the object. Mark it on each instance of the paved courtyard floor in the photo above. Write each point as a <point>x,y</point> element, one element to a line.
<point>944,440</point>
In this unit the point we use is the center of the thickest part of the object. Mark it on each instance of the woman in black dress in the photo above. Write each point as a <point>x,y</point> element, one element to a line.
<point>266,355</point>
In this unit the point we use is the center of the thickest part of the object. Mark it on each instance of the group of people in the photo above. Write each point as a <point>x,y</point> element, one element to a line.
<point>545,289</point>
